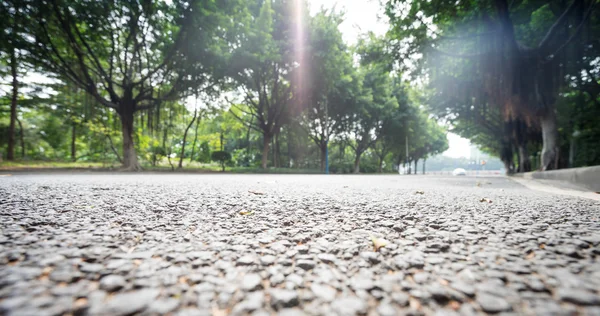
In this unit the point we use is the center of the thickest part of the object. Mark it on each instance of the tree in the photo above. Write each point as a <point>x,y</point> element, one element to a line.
<point>375,105</point>
<point>182,155</point>
<point>330,81</point>
<point>262,68</point>
<point>504,60</point>
<point>11,49</point>
<point>127,54</point>
<point>222,157</point>
<point>436,141</point>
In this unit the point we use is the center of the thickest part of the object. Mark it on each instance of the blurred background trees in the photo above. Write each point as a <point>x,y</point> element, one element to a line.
<point>265,84</point>
<point>512,76</point>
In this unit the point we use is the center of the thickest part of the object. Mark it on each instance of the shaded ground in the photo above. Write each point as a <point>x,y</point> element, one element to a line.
<point>121,244</point>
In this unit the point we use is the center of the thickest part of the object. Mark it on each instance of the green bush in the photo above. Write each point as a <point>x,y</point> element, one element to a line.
<point>341,167</point>
<point>157,153</point>
<point>222,157</point>
<point>241,158</point>
<point>368,166</point>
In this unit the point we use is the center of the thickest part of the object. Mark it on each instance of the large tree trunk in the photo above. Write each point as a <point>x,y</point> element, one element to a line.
<point>506,155</point>
<point>380,165</point>
<point>550,140</point>
<point>357,163</point>
<point>416,170</point>
<point>73,139</point>
<point>524,161</point>
<point>265,152</point>
<point>323,149</point>
<point>10,155</point>
<point>276,156</point>
<point>130,161</point>
<point>424,161</point>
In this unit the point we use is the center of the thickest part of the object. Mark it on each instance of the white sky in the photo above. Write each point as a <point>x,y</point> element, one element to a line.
<point>367,15</point>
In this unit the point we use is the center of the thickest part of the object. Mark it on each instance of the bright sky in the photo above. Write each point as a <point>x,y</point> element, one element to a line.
<point>367,15</point>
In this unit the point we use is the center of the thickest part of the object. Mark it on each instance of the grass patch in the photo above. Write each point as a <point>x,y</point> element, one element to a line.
<point>192,167</point>
<point>273,170</point>
<point>23,165</point>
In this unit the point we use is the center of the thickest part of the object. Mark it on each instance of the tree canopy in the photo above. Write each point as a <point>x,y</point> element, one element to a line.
<point>272,83</point>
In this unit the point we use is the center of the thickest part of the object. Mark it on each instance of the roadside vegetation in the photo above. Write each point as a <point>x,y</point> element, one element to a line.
<point>242,85</point>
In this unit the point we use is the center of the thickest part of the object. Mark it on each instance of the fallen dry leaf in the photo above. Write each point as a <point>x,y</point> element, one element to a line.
<point>420,192</point>
<point>219,312</point>
<point>80,302</point>
<point>485,200</point>
<point>414,303</point>
<point>530,256</point>
<point>256,192</point>
<point>378,243</point>
<point>246,212</point>
<point>454,305</point>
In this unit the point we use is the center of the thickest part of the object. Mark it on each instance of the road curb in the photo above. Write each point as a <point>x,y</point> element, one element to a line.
<point>585,177</point>
<point>544,187</point>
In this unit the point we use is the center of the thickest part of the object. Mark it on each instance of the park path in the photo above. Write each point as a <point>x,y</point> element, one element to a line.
<point>120,244</point>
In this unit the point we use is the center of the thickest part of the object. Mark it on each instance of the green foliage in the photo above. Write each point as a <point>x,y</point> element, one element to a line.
<point>500,70</point>
<point>222,157</point>
<point>204,153</point>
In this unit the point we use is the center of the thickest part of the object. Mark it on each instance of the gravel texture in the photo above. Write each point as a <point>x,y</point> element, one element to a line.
<point>121,244</point>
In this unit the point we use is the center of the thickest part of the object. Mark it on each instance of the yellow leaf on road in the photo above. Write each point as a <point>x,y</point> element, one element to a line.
<point>378,243</point>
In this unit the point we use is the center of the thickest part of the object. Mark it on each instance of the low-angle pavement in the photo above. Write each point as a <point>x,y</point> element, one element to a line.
<point>121,244</point>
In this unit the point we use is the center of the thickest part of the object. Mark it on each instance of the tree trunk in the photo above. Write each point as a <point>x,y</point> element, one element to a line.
<point>10,155</point>
<point>265,152</point>
<point>518,159</point>
<point>380,165</point>
<point>357,163</point>
<point>73,139</point>
<point>416,161</point>
<point>185,138</point>
<point>506,155</point>
<point>289,148</point>
<point>248,137</point>
<point>221,140</point>
<point>130,161</point>
<point>22,138</point>
<point>323,149</point>
<point>424,162</point>
<point>195,139</point>
<point>550,140</point>
<point>524,161</point>
<point>277,149</point>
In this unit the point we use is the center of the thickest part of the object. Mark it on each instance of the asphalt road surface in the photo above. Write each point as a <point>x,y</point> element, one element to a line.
<point>183,244</point>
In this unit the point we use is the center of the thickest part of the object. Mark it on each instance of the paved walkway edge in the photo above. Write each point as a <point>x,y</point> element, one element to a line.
<point>587,177</point>
<point>537,186</point>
